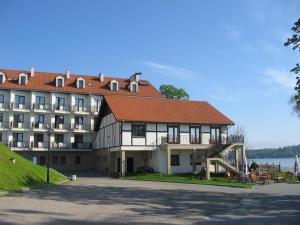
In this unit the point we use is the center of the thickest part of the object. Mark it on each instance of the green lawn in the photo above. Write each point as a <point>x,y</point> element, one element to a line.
<point>23,173</point>
<point>189,179</point>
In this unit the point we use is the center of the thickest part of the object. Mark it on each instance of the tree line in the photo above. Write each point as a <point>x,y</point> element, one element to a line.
<point>283,152</point>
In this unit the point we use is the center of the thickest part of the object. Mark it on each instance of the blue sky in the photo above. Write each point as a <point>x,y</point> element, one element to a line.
<point>229,53</point>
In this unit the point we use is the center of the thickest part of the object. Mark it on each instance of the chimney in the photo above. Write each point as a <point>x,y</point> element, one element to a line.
<point>101,77</point>
<point>68,74</point>
<point>32,72</point>
<point>136,77</point>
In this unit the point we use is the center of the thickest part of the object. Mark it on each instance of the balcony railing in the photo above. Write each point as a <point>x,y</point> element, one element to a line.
<point>95,109</point>
<point>77,108</point>
<point>19,144</point>
<point>38,125</point>
<point>4,105</point>
<point>18,125</point>
<point>25,106</point>
<point>84,145</point>
<point>61,126</point>
<point>4,124</point>
<point>61,107</point>
<point>40,107</point>
<point>81,127</point>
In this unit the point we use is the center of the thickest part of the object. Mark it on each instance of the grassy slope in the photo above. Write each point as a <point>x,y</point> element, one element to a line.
<point>23,173</point>
<point>189,179</point>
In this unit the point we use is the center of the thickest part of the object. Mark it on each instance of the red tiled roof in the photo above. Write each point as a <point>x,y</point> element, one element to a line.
<point>45,81</point>
<point>141,109</point>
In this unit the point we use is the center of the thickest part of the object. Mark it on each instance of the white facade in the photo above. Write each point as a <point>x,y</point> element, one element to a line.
<point>26,116</point>
<point>117,137</point>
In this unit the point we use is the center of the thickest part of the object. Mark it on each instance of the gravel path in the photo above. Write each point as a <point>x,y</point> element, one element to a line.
<point>94,200</point>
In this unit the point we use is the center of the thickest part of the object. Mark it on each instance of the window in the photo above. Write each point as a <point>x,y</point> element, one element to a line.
<point>63,160</point>
<point>55,160</point>
<point>114,85</point>
<point>60,101</point>
<point>58,138</point>
<point>59,119</point>
<point>1,137</point>
<point>79,102</point>
<point>59,82</point>
<point>79,120</point>
<point>2,79</point>
<point>17,137</point>
<point>97,103</point>
<point>1,117</point>
<point>40,100</point>
<point>34,159</point>
<point>23,79</point>
<point>78,138</point>
<point>173,134</point>
<point>38,138</point>
<point>80,83</point>
<point>42,160</point>
<point>215,136</point>
<point>138,130</point>
<point>19,118</point>
<point>1,98</point>
<point>77,160</point>
<point>134,87</point>
<point>175,160</point>
<point>20,100</point>
<point>195,135</point>
<point>39,118</point>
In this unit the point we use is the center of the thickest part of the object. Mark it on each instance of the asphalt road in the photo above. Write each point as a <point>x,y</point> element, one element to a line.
<point>94,200</point>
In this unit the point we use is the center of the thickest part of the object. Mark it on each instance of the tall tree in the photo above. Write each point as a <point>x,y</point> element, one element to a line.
<point>295,42</point>
<point>171,92</point>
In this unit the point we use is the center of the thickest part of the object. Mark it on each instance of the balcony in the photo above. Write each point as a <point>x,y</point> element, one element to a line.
<point>19,106</point>
<point>95,109</point>
<point>83,145</point>
<point>71,146</point>
<point>4,106</point>
<point>81,127</point>
<point>63,108</point>
<point>19,145</point>
<point>18,125</point>
<point>39,107</point>
<point>35,125</point>
<point>80,109</point>
<point>39,145</point>
<point>61,126</point>
<point>4,124</point>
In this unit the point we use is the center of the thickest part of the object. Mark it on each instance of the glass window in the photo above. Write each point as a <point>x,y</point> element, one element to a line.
<point>1,78</point>
<point>58,138</point>
<point>1,98</point>
<point>59,119</point>
<point>20,99</point>
<point>1,117</point>
<point>55,160</point>
<point>60,101</point>
<point>80,83</point>
<point>39,118</point>
<point>23,79</point>
<point>77,160</point>
<point>19,118</point>
<point>173,134</point>
<point>39,138</point>
<point>79,120</point>
<point>175,160</point>
<point>40,100</point>
<point>97,103</point>
<point>138,130</point>
<point>195,135</point>
<point>18,137</point>
<point>114,86</point>
<point>63,160</point>
<point>79,102</point>
<point>42,160</point>
<point>34,160</point>
<point>1,137</point>
<point>133,88</point>
<point>60,82</point>
<point>78,138</point>
<point>215,135</point>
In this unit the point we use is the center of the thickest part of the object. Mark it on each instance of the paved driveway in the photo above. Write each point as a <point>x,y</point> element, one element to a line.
<point>93,200</point>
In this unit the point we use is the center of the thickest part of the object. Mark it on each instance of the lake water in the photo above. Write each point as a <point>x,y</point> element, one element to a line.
<point>287,164</point>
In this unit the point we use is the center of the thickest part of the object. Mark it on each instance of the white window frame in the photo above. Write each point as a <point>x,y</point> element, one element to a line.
<point>112,83</point>
<point>56,81</point>
<point>3,77</point>
<point>78,80</point>
<point>131,86</point>
<point>26,78</point>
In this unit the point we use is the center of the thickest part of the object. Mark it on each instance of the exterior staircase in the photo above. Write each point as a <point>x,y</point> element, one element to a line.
<point>224,164</point>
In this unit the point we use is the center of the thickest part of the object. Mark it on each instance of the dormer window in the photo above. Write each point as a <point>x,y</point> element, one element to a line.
<point>80,83</point>
<point>23,79</point>
<point>114,85</point>
<point>2,78</point>
<point>60,81</point>
<point>133,87</point>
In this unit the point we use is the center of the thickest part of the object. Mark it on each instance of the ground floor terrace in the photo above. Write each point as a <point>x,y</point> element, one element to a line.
<point>95,200</point>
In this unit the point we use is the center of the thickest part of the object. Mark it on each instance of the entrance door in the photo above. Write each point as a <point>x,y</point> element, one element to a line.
<point>130,165</point>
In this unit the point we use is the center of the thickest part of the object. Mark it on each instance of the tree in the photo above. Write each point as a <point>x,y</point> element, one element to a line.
<point>171,92</point>
<point>295,42</point>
